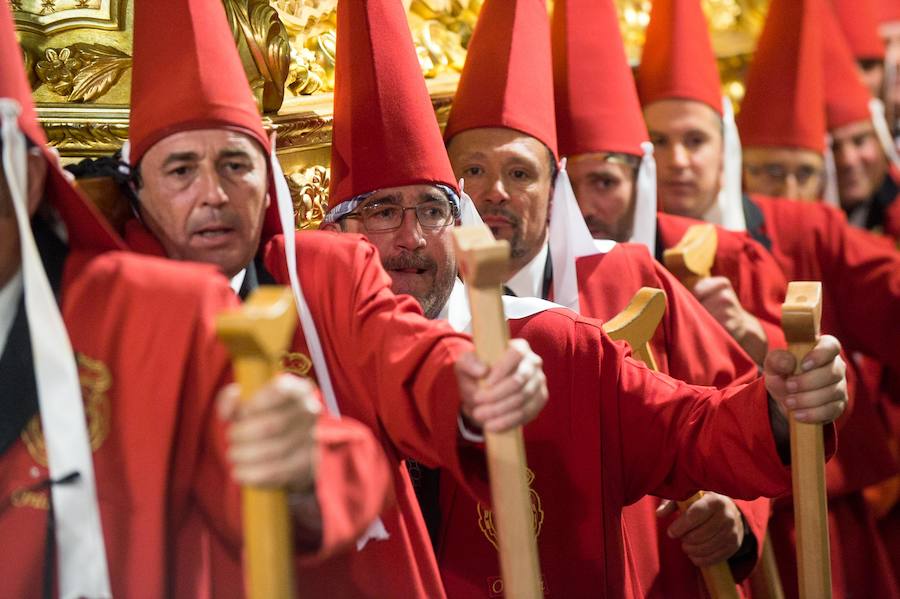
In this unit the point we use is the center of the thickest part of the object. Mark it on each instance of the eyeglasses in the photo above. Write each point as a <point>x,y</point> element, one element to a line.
<point>777,173</point>
<point>388,216</point>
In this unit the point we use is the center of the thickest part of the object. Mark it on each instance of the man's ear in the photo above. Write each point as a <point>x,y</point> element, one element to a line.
<point>37,178</point>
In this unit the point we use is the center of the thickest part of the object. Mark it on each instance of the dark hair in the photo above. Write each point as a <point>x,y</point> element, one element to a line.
<point>128,178</point>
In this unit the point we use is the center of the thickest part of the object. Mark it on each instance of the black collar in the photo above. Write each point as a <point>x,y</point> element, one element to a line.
<point>18,399</point>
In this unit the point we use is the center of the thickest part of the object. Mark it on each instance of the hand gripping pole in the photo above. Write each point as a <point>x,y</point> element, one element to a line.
<point>257,335</point>
<point>483,264</point>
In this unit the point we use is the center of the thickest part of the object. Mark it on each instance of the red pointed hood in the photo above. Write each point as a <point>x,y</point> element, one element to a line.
<point>187,74</point>
<point>858,19</point>
<point>888,11</point>
<point>597,106</point>
<point>678,61</point>
<point>784,102</point>
<point>203,85</point>
<point>846,97</point>
<point>508,77</point>
<point>385,131</point>
<point>86,228</point>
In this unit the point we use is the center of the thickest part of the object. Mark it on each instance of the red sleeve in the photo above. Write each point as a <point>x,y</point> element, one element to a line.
<point>697,438</point>
<point>698,349</point>
<point>865,277</point>
<point>352,481</point>
<point>352,476</point>
<point>757,280</point>
<point>756,514</point>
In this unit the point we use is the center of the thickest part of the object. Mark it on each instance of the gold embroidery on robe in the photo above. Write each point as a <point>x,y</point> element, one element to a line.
<point>486,516</point>
<point>95,380</point>
<point>296,363</point>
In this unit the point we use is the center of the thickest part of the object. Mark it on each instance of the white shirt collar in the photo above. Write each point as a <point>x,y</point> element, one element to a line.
<point>238,280</point>
<point>10,295</point>
<point>529,281</point>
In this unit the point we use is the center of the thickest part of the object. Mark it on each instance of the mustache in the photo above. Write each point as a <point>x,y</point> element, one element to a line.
<point>217,217</point>
<point>506,213</point>
<point>408,260</point>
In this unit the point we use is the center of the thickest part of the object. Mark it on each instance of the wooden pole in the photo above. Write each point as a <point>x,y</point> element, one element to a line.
<point>636,324</point>
<point>257,335</point>
<point>693,258</point>
<point>801,316</point>
<point>765,582</point>
<point>483,263</point>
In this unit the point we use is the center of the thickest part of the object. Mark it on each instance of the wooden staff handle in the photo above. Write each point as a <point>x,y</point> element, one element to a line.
<point>801,317</point>
<point>717,578</point>
<point>483,263</point>
<point>636,324</point>
<point>257,335</point>
<point>693,258</point>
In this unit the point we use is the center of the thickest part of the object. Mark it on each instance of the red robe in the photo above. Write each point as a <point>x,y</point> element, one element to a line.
<point>690,346</point>
<point>756,277</point>
<point>612,432</point>
<point>861,286</point>
<point>392,370</point>
<point>151,365</point>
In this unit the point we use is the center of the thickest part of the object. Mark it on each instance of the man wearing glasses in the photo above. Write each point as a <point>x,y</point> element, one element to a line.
<point>412,272</point>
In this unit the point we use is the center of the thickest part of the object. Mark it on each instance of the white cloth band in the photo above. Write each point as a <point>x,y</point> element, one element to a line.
<point>80,547</point>
<point>376,530</point>
<point>569,240</point>
<point>879,122</point>
<point>832,194</point>
<point>728,210</point>
<point>644,224</point>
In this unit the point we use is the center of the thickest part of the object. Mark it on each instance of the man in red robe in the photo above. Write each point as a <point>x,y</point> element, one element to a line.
<point>127,497</point>
<point>404,198</point>
<point>602,133</point>
<point>667,117</point>
<point>208,188</point>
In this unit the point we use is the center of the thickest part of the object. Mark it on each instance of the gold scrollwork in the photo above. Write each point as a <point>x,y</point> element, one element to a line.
<point>86,139</point>
<point>296,363</point>
<point>309,191</point>
<point>265,40</point>
<point>82,72</point>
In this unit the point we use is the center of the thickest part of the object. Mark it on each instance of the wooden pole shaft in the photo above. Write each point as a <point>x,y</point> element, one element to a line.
<point>801,315</point>
<point>256,336</point>
<point>717,578</point>
<point>810,502</point>
<point>765,582</point>
<point>268,542</point>
<point>511,498</point>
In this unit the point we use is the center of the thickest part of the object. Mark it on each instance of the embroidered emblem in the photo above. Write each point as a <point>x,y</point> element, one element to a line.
<point>296,363</point>
<point>486,516</point>
<point>39,500</point>
<point>95,383</point>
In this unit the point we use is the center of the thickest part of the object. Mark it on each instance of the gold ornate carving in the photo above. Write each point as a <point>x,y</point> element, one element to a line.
<point>262,40</point>
<point>95,381</point>
<point>82,72</point>
<point>310,25</point>
<point>309,191</point>
<point>46,17</point>
<point>486,516</point>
